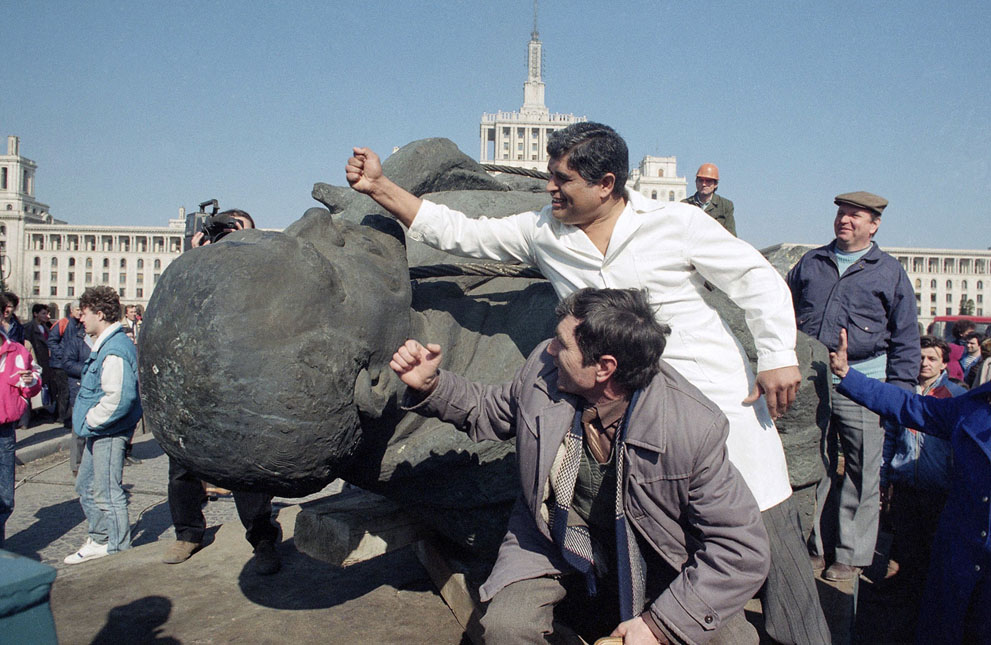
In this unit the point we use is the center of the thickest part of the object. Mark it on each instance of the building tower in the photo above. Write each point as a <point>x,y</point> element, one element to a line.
<point>18,207</point>
<point>519,139</point>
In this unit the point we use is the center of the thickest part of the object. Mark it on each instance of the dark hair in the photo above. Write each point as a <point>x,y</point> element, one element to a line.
<point>938,343</point>
<point>621,323</point>
<point>234,212</point>
<point>36,307</point>
<point>962,326</point>
<point>972,334</point>
<point>12,298</point>
<point>593,150</point>
<point>102,298</point>
<point>3,302</point>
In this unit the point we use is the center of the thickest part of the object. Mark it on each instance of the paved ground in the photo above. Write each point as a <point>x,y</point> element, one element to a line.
<point>214,597</point>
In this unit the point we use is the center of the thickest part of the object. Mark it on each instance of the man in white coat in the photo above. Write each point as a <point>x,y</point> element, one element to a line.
<point>596,234</point>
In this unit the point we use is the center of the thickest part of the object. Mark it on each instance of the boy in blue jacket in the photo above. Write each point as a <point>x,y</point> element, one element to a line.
<point>105,413</point>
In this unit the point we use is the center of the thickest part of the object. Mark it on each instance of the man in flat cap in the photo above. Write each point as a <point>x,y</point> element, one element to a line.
<point>850,283</point>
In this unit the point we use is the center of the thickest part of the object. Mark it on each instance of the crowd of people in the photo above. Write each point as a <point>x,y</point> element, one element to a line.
<point>655,490</point>
<point>610,504</point>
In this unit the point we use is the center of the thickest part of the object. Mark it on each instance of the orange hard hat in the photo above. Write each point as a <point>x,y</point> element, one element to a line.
<point>709,171</point>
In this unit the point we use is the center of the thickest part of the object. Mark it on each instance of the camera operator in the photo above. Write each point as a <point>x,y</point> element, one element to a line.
<point>186,493</point>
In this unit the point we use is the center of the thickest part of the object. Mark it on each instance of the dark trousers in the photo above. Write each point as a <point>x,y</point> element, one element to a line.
<point>186,498</point>
<point>789,599</point>
<point>914,515</point>
<point>63,411</point>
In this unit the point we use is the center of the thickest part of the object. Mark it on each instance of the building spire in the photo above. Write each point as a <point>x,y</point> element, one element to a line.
<point>533,89</point>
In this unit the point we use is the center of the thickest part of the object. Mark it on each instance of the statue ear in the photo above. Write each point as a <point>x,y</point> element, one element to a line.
<point>374,391</point>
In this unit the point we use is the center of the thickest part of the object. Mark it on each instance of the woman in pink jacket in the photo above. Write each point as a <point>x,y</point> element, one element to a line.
<point>19,381</point>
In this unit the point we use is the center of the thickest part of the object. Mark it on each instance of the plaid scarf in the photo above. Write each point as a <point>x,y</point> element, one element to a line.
<point>576,542</point>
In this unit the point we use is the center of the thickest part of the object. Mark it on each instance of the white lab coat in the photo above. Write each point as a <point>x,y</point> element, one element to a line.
<point>670,249</point>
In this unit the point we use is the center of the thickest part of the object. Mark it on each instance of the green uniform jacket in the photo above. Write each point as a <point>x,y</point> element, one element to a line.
<point>719,209</point>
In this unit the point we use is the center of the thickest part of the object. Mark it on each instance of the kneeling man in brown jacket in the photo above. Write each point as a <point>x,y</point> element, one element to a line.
<point>625,483</point>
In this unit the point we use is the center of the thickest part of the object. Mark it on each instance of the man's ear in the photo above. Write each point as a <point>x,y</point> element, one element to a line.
<point>607,183</point>
<point>605,367</point>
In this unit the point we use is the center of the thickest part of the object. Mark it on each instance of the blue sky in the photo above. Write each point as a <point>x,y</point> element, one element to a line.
<point>132,109</point>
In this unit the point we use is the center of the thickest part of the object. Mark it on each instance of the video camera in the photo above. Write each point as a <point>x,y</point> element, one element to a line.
<point>213,225</point>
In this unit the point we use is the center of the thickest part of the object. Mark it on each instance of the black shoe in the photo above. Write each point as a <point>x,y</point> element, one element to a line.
<point>266,560</point>
<point>131,461</point>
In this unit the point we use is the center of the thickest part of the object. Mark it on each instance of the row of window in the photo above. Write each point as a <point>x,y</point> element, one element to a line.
<point>71,277</point>
<point>107,243</point>
<point>653,195</point>
<point>949,298</point>
<point>106,263</point>
<point>25,180</point>
<point>70,291</point>
<point>945,265</point>
<point>979,311</point>
<point>949,284</point>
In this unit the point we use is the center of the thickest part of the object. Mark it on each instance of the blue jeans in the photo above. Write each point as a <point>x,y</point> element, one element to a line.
<point>100,493</point>
<point>7,443</point>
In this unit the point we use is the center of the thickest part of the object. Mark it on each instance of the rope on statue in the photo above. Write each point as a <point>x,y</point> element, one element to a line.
<point>510,170</point>
<point>479,269</point>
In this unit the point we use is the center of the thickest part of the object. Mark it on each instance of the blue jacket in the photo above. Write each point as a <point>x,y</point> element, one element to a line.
<point>873,300</point>
<point>961,554</point>
<point>915,459</point>
<point>126,410</point>
<point>69,352</point>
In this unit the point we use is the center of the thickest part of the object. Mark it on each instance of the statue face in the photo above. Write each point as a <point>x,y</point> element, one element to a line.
<point>253,348</point>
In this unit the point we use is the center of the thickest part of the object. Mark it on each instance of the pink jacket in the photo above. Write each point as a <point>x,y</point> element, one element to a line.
<point>13,396</point>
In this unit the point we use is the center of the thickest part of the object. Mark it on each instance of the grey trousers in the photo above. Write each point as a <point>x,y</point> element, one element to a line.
<point>789,600</point>
<point>858,500</point>
<point>523,612</point>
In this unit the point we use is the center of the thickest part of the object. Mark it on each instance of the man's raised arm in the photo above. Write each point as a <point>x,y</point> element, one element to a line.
<point>364,173</point>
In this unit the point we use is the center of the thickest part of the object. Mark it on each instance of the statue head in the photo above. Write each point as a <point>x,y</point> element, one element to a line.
<point>260,354</point>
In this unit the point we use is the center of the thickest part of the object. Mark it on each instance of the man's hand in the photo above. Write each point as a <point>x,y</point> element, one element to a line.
<point>363,170</point>
<point>779,386</point>
<point>197,240</point>
<point>636,632</point>
<point>837,360</point>
<point>417,365</point>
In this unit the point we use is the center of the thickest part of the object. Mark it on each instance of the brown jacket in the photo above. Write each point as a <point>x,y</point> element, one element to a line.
<point>680,491</point>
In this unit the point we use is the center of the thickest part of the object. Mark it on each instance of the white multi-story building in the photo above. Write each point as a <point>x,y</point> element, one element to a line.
<point>657,178</point>
<point>519,139</point>
<point>49,261</point>
<point>947,282</point>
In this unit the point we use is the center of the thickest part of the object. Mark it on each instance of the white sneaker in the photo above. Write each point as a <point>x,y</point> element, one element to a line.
<point>88,551</point>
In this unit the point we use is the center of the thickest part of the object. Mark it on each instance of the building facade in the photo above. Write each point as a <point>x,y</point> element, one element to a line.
<point>45,260</point>
<point>657,178</point>
<point>947,282</point>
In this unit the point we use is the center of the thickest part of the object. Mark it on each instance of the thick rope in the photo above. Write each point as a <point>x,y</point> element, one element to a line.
<point>487,269</point>
<point>510,170</point>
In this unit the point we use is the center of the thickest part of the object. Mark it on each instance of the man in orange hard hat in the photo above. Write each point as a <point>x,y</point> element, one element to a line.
<point>705,197</point>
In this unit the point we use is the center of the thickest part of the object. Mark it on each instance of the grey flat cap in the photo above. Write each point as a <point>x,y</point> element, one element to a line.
<point>862,199</point>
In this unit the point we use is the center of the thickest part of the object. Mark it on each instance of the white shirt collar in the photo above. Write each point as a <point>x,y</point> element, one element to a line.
<point>106,334</point>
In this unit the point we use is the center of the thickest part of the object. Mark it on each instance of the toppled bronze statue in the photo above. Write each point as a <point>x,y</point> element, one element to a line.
<point>264,360</point>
